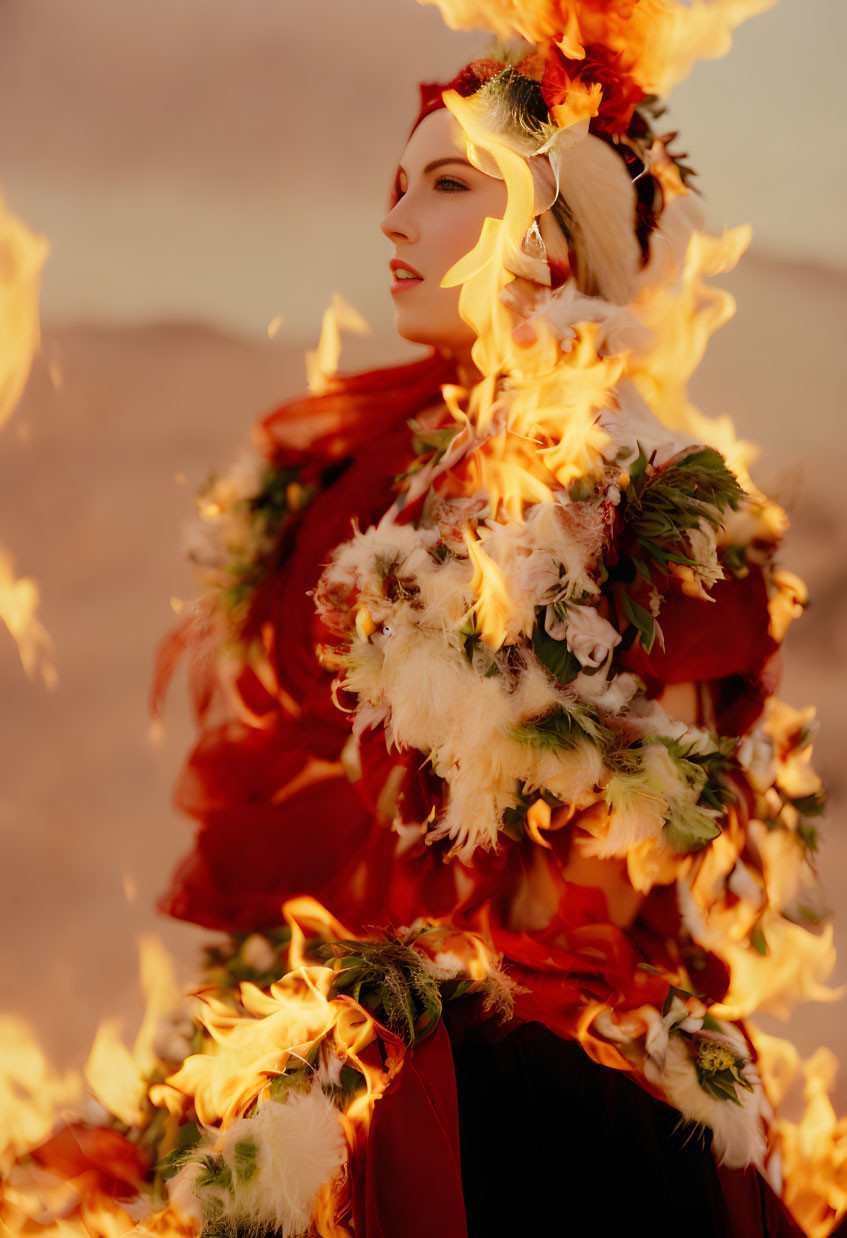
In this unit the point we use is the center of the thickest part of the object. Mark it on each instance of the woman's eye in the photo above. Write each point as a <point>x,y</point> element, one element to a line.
<point>449,184</point>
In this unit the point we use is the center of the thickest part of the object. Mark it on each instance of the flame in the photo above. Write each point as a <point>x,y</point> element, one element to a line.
<point>322,362</point>
<point>18,606</point>
<point>493,604</point>
<point>813,1150</point>
<point>682,317</point>
<point>39,1202</point>
<point>118,1076</point>
<point>489,267</point>
<point>253,1045</point>
<point>656,43</point>
<point>22,256</point>
<point>793,963</point>
<point>31,1091</point>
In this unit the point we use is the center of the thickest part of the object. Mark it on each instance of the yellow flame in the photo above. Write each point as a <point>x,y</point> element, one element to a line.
<point>271,1031</point>
<point>487,269</point>
<point>113,1075</point>
<point>682,318</point>
<point>31,1091</point>
<point>657,42</point>
<point>494,603</point>
<point>22,256</point>
<point>322,362</point>
<point>813,1150</point>
<point>117,1075</point>
<point>18,606</point>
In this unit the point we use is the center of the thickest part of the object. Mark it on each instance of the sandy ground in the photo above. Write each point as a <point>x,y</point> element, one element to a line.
<point>92,510</point>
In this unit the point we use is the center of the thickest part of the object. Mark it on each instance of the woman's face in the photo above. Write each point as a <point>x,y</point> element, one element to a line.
<point>440,202</point>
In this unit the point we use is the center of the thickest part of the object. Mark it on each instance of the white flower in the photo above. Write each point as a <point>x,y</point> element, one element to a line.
<point>590,637</point>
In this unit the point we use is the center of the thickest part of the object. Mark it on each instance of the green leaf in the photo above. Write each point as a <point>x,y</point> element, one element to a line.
<point>643,570</point>
<point>663,505</point>
<point>808,837</point>
<point>437,439</point>
<point>297,1080</point>
<point>351,1080</point>
<point>689,828</point>
<point>811,805</point>
<point>734,559</point>
<point>214,1172</point>
<point>246,1166</point>
<point>636,469</point>
<point>563,729</point>
<point>718,1086</point>
<point>642,620</point>
<point>757,940</point>
<point>554,654</point>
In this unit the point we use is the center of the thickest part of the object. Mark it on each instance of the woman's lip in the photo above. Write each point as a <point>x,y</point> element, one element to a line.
<point>403,285</point>
<point>397,264</point>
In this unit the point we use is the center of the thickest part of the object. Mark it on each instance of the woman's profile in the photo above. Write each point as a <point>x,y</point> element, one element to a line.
<point>505,827</point>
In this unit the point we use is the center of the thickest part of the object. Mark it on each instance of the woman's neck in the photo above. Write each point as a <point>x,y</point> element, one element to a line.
<point>467,373</point>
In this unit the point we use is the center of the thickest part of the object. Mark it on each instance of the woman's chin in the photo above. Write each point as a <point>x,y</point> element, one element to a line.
<point>433,336</point>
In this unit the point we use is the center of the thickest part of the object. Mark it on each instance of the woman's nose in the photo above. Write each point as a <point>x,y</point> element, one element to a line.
<point>399,224</point>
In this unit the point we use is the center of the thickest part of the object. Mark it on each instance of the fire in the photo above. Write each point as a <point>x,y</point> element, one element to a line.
<point>813,1150</point>
<point>657,42</point>
<point>18,607</point>
<point>117,1075</point>
<point>489,587</point>
<point>21,257</point>
<point>322,362</point>
<point>100,1177</point>
<point>275,1029</point>
<point>682,318</point>
<point>31,1092</point>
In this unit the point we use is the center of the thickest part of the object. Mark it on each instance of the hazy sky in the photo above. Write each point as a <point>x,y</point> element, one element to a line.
<point>228,159</point>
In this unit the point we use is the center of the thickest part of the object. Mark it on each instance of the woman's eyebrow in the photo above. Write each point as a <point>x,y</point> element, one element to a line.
<point>439,163</point>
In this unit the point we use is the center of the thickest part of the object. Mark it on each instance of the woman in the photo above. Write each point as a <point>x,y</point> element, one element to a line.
<point>516,733</point>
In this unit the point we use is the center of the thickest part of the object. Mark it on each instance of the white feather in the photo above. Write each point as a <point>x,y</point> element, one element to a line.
<point>300,1147</point>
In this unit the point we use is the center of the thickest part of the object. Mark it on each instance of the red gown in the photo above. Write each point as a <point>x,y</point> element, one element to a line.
<point>488,1128</point>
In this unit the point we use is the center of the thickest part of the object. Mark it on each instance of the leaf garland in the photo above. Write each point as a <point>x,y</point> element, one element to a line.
<point>659,507</point>
<point>565,728</point>
<point>390,979</point>
<point>705,771</point>
<point>280,495</point>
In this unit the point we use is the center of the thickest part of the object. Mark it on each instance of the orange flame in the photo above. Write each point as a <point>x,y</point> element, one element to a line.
<point>813,1150</point>
<point>18,607</point>
<point>657,43</point>
<point>22,256</point>
<point>117,1076</point>
<point>489,586</point>
<point>31,1092</point>
<point>322,362</point>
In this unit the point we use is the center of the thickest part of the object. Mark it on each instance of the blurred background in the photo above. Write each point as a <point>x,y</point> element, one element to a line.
<point>202,168</point>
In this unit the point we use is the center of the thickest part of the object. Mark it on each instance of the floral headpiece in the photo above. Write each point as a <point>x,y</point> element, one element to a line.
<point>552,100</point>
